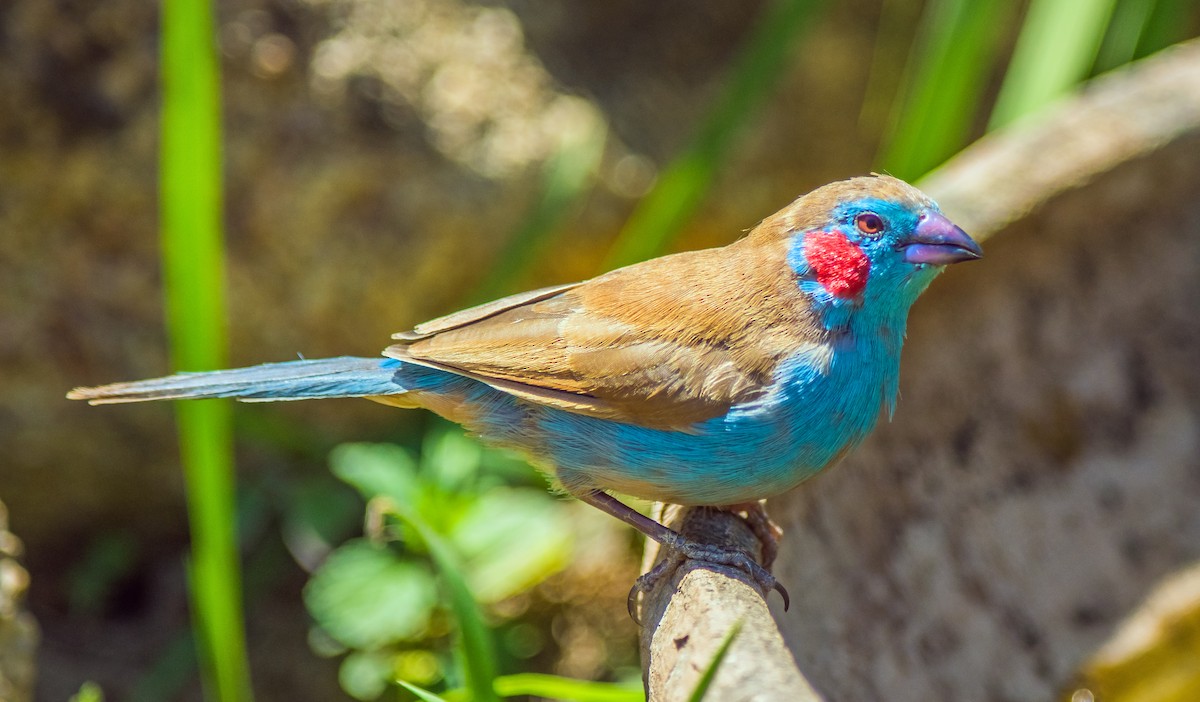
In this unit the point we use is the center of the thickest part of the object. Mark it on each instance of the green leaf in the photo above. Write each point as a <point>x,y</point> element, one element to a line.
<point>366,596</point>
<point>365,675</point>
<point>1058,44</point>
<point>1129,21</point>
<point>450,459</point>
<point>1168,23</point>
<point>711,672</point>
<point>476,645</point>
<point>319,513</point>
<point>421,694</point>
<point>88,692</point>
<point>944,80</point>
<point>554,687</point>
<point>512,540</point>
<point>378,470</point>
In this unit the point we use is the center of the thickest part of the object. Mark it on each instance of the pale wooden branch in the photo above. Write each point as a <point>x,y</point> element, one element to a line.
<point>687,615</point>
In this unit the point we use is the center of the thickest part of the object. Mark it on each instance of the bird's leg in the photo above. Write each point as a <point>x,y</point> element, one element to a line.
<point>682,548</point>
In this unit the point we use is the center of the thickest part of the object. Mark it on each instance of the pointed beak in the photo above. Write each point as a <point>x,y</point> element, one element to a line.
<point>937,241</point>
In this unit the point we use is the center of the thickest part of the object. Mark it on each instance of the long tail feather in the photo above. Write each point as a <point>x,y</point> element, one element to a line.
<point>346,376</point>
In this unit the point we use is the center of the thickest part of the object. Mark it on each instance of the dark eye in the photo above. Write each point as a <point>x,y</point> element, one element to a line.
<point>869,223</point>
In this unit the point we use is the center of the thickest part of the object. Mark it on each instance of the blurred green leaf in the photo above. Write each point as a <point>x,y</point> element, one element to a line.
<point>418,666</point>
<point>953,52</point>
<point>1129,21</point>
<point>378,470</point>
<point>365,675</point>
<point>450,459</point>
<point>88,692</point>
<point>554,687</point>
<point>454,509</point>
<point>319,513</point>
<point>1169,23</point>
<point>476,645</point>
<point>366,596</point>
<point>524,639</point>
<point>421,693</point>
<point>512,540</point>
<point>1056,49</point>
<point>173,671</point>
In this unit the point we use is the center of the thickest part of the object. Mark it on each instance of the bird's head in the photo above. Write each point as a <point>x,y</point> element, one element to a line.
<point>871,243</point>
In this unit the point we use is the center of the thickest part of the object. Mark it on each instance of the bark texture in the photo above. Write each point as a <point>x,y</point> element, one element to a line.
<point>688,616</point>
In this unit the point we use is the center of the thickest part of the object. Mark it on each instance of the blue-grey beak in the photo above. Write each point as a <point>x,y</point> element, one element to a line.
<point>939,242</point>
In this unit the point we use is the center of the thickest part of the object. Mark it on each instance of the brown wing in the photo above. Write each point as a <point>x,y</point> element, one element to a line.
<point>666,343</point>
<point>474,314</point>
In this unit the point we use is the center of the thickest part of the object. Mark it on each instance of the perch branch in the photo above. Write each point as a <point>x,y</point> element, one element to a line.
<point>687,614</point>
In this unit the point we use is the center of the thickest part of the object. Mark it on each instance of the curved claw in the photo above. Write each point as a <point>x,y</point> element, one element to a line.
<point>689,550</point>
<point>631,604</point>
<point>669,562</point>
<point>787,601</point>
<point>765,581</point>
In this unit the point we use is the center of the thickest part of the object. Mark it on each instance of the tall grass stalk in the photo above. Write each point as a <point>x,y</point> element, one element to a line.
<point>955,48</point>
<point>1057,46</point>
<point>191,212</point>
<point>682,185</point>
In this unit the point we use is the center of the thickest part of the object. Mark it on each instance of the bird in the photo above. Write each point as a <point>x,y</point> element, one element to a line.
<point>718,377</point>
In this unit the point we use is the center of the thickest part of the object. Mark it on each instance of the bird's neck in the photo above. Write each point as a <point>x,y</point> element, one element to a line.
<point>832,394</point>
<point>867,334</point>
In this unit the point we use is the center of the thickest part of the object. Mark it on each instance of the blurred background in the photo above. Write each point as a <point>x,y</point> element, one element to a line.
<point>386,162</point>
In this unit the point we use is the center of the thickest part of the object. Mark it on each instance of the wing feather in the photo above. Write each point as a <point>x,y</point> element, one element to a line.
<point>666,344</point>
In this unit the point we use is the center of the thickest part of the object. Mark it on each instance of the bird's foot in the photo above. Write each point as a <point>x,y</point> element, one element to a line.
<point>681,549</point>
<point>767,531</point>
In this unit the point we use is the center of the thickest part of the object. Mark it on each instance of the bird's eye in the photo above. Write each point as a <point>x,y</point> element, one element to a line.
<point>869,223</point>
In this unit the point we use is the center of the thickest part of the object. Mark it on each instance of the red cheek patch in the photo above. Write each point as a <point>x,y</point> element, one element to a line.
<point>839,264</point>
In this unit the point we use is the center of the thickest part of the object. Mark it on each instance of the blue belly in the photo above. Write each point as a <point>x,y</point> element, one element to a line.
<point>820,405</point>
<point>812,415</point>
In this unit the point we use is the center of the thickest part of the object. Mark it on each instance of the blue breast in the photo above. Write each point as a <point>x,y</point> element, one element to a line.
<point>823,402</point>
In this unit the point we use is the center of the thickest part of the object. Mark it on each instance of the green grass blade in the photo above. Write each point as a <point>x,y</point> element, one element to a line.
<point>1169,22</point>
<point>711,672</point>
<point>191,211</point>
<point>1120,44</point>
<point>477,647</point>
<point>421,693</point>
<point>955,48</point>
<point>1056,49</point>
<point>554,687</point>
<point>898,22</point>
<point>682,185</point>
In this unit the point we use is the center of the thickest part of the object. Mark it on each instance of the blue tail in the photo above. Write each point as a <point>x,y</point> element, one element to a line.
<point>346,376</point>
